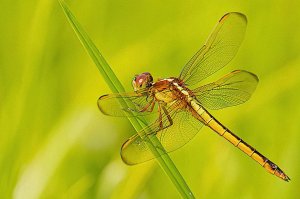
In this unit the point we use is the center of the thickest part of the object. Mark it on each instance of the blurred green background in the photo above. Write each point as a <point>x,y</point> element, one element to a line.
<point>55,143</point>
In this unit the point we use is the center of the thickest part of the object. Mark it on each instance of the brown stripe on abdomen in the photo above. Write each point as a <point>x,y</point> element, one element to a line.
<point>205,117</point>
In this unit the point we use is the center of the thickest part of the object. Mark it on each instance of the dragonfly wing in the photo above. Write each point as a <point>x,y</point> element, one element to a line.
<point>184,127</point>
<point>232,89</point>
<point>126,104</point>
<point>219,49</point>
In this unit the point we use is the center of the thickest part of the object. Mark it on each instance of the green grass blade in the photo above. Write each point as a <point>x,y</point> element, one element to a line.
<point>115,85</point>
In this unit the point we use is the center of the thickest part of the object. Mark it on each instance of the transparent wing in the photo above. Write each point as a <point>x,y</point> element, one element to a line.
<point>232,89</point>
<point>126,104</point>
<point>219,49</point>
<point>174,136</point>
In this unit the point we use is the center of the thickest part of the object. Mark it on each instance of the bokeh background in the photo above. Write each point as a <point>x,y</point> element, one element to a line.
<point>55,143</point>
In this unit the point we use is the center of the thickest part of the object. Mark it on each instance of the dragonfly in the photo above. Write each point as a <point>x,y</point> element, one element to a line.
<point>183,111</point>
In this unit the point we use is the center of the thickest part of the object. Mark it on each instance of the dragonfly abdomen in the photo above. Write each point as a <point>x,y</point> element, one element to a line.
<point>205,117</point>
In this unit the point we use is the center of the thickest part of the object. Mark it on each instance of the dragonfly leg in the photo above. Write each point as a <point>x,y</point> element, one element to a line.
<point>151,105</point>
<point>143,109</point>
<point>162,107</point>
<point>168,116</point>
<point>160,117</point>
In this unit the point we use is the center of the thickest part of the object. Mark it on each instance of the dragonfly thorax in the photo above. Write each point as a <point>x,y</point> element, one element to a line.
<point>171,89</point>
<point>142,81</point>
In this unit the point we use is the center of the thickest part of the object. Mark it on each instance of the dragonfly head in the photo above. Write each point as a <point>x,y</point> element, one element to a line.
<point>141,81</point>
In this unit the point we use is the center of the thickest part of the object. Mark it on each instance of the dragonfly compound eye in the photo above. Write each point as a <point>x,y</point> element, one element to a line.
<point>141,81</point>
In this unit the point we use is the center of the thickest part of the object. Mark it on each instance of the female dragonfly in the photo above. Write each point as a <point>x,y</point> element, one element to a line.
<point>183,111</point>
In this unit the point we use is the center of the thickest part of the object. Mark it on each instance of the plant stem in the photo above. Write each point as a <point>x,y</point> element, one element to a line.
<point>115,85</point>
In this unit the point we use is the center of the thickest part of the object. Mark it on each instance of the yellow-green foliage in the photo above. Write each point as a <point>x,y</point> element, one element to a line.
<point>54,143</point>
